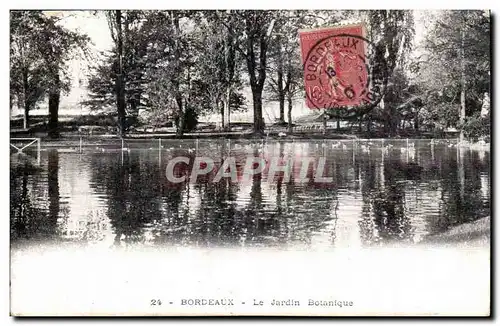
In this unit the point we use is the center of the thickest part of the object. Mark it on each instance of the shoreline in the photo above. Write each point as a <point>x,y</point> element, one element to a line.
<point>96,140</point>
<point>471,234</point>
<point>199,135</point>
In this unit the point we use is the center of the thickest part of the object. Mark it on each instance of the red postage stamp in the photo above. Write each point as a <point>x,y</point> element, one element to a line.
<point>336,72</point>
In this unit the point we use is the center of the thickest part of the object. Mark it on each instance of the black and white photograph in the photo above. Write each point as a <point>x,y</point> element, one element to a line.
<point>256,162</point>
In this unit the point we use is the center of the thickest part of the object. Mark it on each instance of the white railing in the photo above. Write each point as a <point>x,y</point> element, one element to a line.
<point>32,141</point>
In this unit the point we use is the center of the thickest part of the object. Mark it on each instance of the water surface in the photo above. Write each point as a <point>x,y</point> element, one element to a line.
<point>402,193</point>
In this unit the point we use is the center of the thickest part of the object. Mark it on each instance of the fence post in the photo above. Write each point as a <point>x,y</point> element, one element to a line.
<point>38,157</point>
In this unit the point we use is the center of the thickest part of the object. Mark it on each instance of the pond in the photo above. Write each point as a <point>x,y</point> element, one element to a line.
<point>379,192</point>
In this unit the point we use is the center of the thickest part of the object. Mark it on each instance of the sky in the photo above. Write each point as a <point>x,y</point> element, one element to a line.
<point>94,24</point>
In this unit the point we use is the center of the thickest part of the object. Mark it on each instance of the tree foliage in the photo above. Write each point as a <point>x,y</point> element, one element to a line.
<point>439,70</point>
<point>392,33</point>
<point>173,66</point>
<point>39,54</point>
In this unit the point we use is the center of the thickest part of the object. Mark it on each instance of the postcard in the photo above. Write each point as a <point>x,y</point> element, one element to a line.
<point>250,163</point>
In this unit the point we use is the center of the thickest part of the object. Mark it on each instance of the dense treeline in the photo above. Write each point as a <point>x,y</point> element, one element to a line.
<point>40,49</point>
<point>175,65</point>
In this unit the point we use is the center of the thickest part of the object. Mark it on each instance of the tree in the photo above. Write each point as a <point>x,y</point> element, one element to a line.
<point>282,50</point>
<point>40,50</point>
<point>172,55</point>
<point>220,65</point>
<point>285,69</point>
<point>455,69</point>
<point>24,67</point>
<point>149,69</point>
<point>60,45</point>
<point>115,23</point>
<point>173,62</point>
<point>256,27</point>
<point>102,85</point>
<point>392,33</point>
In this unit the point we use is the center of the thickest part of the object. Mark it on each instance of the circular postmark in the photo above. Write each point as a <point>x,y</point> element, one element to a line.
<point>344,74</point>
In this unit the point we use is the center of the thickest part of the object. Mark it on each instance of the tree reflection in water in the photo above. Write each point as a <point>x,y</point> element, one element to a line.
<point>144,207</point>
<point>389,210</point>
<point>30,217</point>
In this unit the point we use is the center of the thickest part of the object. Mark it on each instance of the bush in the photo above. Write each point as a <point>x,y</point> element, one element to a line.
<point>477,126</point>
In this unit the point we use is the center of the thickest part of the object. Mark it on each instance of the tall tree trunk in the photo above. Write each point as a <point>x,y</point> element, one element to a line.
<point>256,81</point>
<point>230,62</point>
<point>280,89</point>
<point>177,73</point>
<point>290,128</point>
<point>26,102</point>
<point>258,120</point>
<point>181,115</point>
<point>221,105</point>
<point>227,110</point>
<point>393,122</point>
<point>54,98</point>
<point>120,87</point>
<point>282,108</point>
<point>462,90</point>
<point>416,123</point>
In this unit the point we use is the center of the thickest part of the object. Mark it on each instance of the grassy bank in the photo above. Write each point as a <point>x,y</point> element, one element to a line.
<point>475,233</point>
